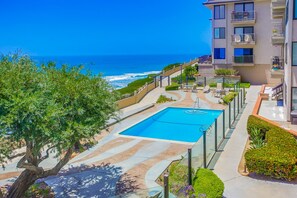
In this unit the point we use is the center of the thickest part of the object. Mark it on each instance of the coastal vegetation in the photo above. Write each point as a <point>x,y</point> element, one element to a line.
<point>135,85</point>
<point>50,111</point>
<point>276,154</point>
<point>171,66</point>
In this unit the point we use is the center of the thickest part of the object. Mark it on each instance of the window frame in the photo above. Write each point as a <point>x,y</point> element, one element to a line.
<point>292,97</point>
<point>214,56</point>
<point>294,9</point>
<point>219,14</point>
<point>292,53</point>
<point>219,28</point>
<point>243,4</point>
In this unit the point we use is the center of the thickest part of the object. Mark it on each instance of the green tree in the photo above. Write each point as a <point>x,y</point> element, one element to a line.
<point>190,71</point>
<point>50,110</point>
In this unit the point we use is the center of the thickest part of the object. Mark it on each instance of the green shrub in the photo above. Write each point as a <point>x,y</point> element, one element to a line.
<point>172,87</point>
<point>257,140</point>
<point>255,122</point>
<point>229,97</point>
<point>225,72</point>
<point>208,183</point>
<point>278,157</point>
<point>163,99</point>
<point>245,85</point>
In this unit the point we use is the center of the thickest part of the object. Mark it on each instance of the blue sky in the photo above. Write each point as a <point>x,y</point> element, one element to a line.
<point>101,27</point>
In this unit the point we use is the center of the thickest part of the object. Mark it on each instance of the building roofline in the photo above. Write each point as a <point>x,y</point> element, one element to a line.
<point>212,2</point>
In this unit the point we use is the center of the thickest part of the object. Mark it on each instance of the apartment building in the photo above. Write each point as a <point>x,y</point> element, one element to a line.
<point>242,32</point>
<point>259,39</point>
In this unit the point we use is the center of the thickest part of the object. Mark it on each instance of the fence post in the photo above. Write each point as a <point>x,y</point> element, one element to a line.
<point>224,123</point>
<point>234,110</point>
<point>204,150</point>
<point>168,80</point>
<point>244,95</point>
<point>229,104</point>
<point>216,134</point>
<point>238,103</point>
<point>161,81</point>
<point>190,166</point>
<point>240,98</point>
<point>166,185</point>
<point>181,75</point>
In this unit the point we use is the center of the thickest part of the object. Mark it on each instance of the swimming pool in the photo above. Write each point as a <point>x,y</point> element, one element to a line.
<point>176,124</point>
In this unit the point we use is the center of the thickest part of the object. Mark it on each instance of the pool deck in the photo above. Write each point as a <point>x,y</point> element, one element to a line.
<point>119,164</point>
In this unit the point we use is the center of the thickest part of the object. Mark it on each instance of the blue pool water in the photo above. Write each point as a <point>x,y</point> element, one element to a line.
<point>177,124</point>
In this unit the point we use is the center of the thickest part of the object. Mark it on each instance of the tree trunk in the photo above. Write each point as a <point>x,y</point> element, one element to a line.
<point>22,184</point>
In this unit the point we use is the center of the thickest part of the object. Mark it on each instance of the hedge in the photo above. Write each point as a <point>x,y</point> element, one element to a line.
<point>171,66</point>
<point>225,72</point>
<point>278,158</point>
<point>229,97</point>
<point>255,122</point>
<point>172,87</point>
<point>208,183</point>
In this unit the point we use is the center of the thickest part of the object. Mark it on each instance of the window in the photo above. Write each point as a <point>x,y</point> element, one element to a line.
<point>219,12</point>
<point>243,55</point>
<point>219,53</point>
<point>243,32</point>
<point>294,98</point>
<point>219,33</point>
<point>294,54</point>
<point>243,11</point>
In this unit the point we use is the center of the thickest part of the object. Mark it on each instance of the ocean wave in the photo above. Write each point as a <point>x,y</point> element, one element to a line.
<point>129,76</point>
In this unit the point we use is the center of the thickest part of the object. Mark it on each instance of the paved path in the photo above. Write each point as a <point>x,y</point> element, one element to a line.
<point>226,167</point>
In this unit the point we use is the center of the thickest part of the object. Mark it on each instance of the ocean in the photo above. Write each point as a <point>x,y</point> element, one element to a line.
<point>119,70</point>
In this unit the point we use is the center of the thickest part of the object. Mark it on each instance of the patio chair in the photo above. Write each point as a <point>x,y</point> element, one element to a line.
<point>206,89</point>
<point>237,38</point>
<point>248,38</point>
<point>219,90</point>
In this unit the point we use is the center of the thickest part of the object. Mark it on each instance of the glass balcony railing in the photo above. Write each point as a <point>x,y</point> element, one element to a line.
<point>244,59</point>
<point>243,38</point>
<point>245,16</point>
<point>277,63</point>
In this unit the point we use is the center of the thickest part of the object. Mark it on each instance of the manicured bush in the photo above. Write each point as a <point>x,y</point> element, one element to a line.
<point>172,87</point>
<point>208,183</point>
<point>163,99</point>
<point>263,126</point>
<point>245,85</point>
<point>278,157</point>
<point>225,72</point>
<point>229,97</point>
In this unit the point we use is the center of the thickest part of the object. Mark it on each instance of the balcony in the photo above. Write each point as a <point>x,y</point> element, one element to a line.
<point>278,37</point>
<point>243,60</point>
<point>277,67</point>
<point>243,39</point>
<point>242,18</point>
<point>278,8</point>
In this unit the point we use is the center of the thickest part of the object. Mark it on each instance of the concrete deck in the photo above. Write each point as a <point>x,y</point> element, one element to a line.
<point>226,167</point>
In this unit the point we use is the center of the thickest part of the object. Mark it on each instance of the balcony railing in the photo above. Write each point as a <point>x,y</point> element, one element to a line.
<point>249,16</point>
<point>243,38</point>
<point>278,37</point>
<point>243,59</point>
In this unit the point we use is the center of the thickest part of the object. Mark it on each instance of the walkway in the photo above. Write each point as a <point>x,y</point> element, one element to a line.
<point>226,167</point>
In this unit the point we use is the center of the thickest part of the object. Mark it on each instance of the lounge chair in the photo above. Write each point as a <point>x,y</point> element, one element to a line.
<point>206,89</point>
<point>219,90</point>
